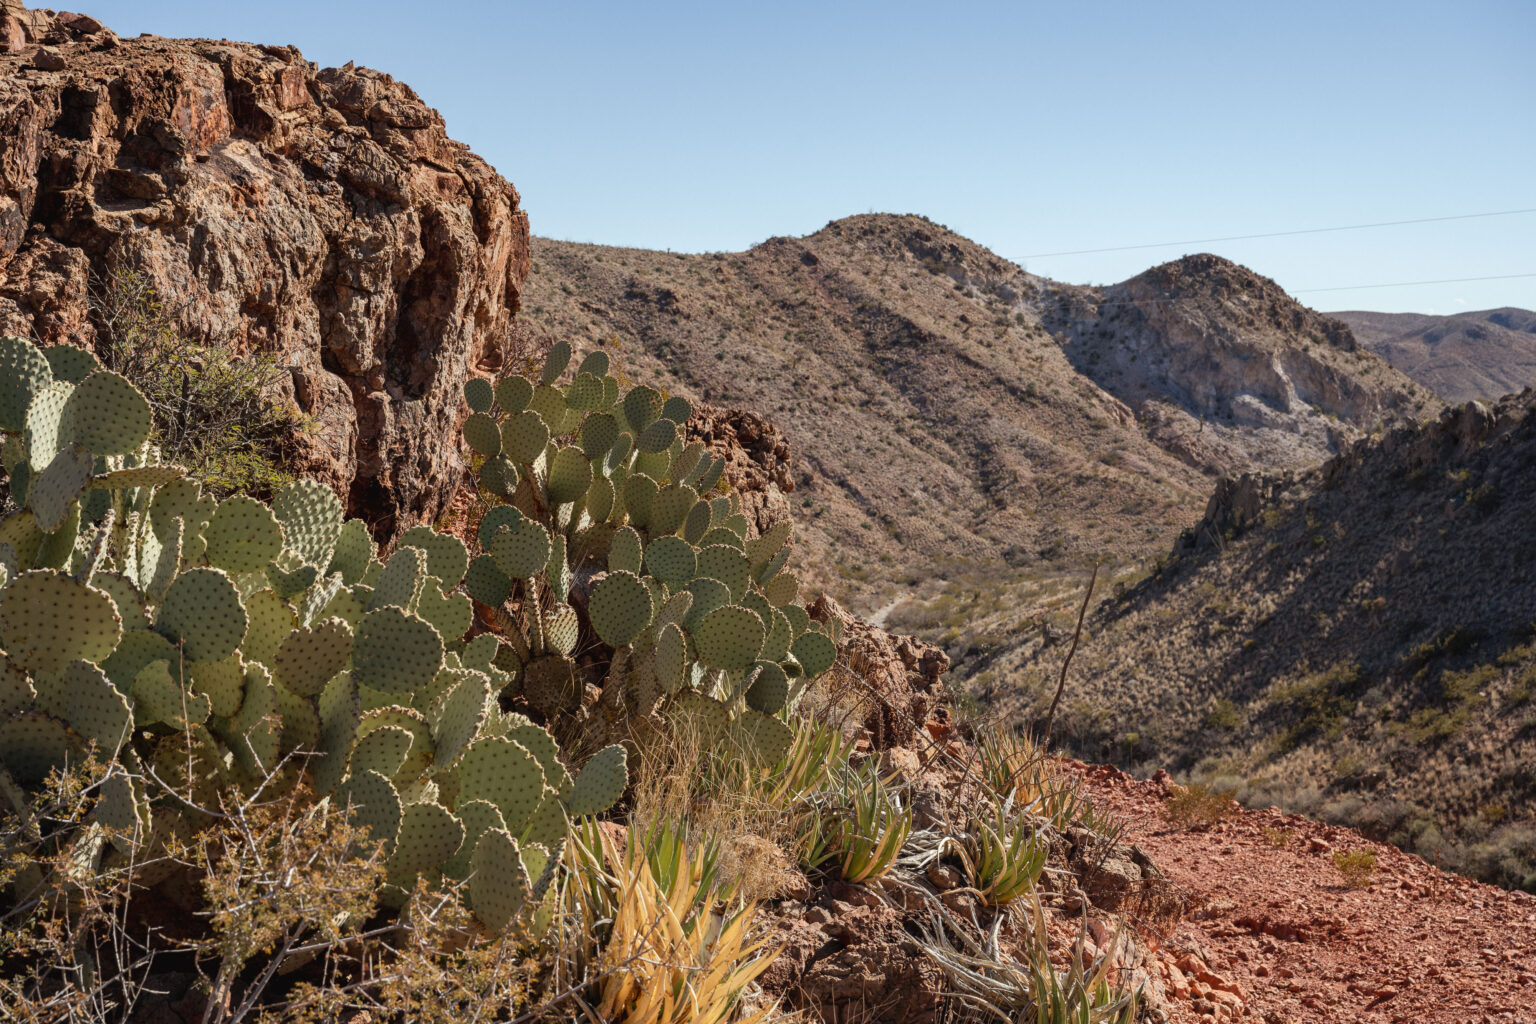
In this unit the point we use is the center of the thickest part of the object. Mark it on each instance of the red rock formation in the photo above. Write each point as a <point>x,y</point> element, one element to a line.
<point>323,216</point>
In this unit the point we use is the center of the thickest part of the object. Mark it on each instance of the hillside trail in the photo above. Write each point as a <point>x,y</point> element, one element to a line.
<point>1277,923</point>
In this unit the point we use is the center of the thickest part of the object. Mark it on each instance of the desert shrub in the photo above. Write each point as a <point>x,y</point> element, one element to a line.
<point>1198,806</point>
<point>1277,838</point>
<point>1356,867</point>
<point>216,413</point>
<point>1317,703</point>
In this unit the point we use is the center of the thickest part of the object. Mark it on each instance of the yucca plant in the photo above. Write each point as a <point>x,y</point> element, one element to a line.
<point>860,824</point>
<point>1002,855</point>
<point>1016,769</point>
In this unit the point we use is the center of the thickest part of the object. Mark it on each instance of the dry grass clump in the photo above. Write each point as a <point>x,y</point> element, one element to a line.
<point>1198,806</point>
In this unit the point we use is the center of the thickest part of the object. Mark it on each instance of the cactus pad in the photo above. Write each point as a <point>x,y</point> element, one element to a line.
<point>447,557</point>
<point>479,394</point>
<point>54,490</point>
<point>585,392</point>
<point>561,629</point>
<point>459,720</point>
<point>139,476</point>
<point>513,394</point>
<point>546,827</point>
<point>570,474</point>
<point>222,682</point>
<point>620,608</point>
<point>311,517</point>
<point>271,620</point>
<point>639,492</point>
<point>765,736</point>
<point>395,652</point>
<point>504,773</point>
<point>815,652</point>
<point>708,595</point>
<point>542,746</point>
<point>624,551</point>
<point>524,436</point>
<point>670,508</point>
<point>728,565</point>
<point>555,363</point>
<point>47,620</point>
<point>32,745</point>
<point>82,696</point>
<point>45,424</point>
<point>770,690</point>
<point>782,589</point>
<point>383,750</point>
<point>730,637</point>
<point>482,435</point>
<point>451,614</point>
<point>307,658</point>
<point>399,582</point>
<point>671,560</point>
<point>677,410</point>
<point>158,700</point>
<point>243,535</point>
<point>24,371</point>
<point>600,783</point>
<point>642,406</point>
<point>598,432</point>
<point>499,476</point>
<point>106,415</point>
<point>709,718</point>
<point>657,437</point>
<point>521,551</point>
<point>478,817</point>
<point>494,519</point>
<point>486,583</point>
<point>700,518</point>
<point>499,887</point>
<point>375,803</point>
<point>428,836</point>
<point>202,610</point>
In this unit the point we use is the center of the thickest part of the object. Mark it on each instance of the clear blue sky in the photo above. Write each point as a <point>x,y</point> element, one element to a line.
<point>1029,127</point>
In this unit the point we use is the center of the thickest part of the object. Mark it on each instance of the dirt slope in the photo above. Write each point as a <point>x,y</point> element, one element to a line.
<point>1484,354</point>
<point>1355,641</point>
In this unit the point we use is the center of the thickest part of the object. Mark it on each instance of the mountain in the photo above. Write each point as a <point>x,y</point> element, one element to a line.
<point>1485,354</point>
<point>955,415</point>
<point>1355,641</point>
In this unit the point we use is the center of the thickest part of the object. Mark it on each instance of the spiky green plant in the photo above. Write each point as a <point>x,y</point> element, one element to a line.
<point>858,824</point>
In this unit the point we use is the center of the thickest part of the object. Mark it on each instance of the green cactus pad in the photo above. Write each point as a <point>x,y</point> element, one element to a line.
<point>624,551</point>
<point>739,525</point>
<point>599,499</point>
<point>375,803</point>
<point>561,629</point>
<point>639,493</point>
<point>706,716</point>
<point>557,571</point>
<point>486,583</point>
<point>765,736</point>
<point>121,808</point>
<point>222,682</point>
<point>24,372</point>
<point>307,658</point>
<point>677,410</point>
<point>45,424</point>
<point>620,608</point>
<point>451,614</point>
<point>460,718</point>
<point>670,508</point>
<point>242,536</point>
<point>82,696</point>
<point>16,690</point>
<point>55,489</point>
<point>549,402</point>
<point>700,518</point>
<point>799,618</point>
<point>710,477</point>
<point>770,543</point>
<point>352,552</point>
<point>728,565</point>
<point>495,518</point>
<point>815,652</point>
<point>311,516</point>
<point>70,363</point>
<point>782,589</point>
<point>271,620</point>
<point>585,392</point>
<point>428,836</point>
<point>420,754</point>
<point>513,394</point>
<point>139,476</point>
<point>758,603</point>
<point>598,432</point>
<point>382,750</point>
<point>656,465</point>
<point>642,406</point>
<point>48,620</point>
<point>339,717</point>
<point>479,394</point>
<point>500,476</point>
<point>175,499</point>
<point>542,746</point>
<point>107,416</point>
<point>730,637</point>
<point>555,363</point>
<point>158,700</point>
<point>780,636</point>
<point>545,827</point>
<point>32,745</point>
<point>447,557</point>
<point>671,560</point>
<point>618,455</point>
<point>401,579</point>
<point>671,658</point>
<point>137,648</point>
<point>202,610</point>
<point>395,652</point>
<point>719,535</point>
<point>256,735</point>
<point>499,886</point>
<point>521,551</point>
<point>549,685</point>
<point>570,474</point>
<point>770,690</point>
<point>600,783</point>
<point>708,595</point>
<point>657,437</point>
<point>478,817</point>
<point>596,363</point>
<point>504,773</point>
<point>482,435</point>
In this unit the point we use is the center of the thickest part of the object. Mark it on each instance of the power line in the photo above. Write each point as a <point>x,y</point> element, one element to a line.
<point>1407,284</point>
<point>1282,234</point>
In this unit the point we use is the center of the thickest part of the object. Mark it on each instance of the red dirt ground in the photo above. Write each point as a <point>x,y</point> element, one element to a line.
<point>1276,926</point>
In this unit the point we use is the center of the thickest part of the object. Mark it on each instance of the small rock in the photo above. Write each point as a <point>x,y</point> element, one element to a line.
<point>48,58</point>
<point>1319,845</point>
<point>943,876</point>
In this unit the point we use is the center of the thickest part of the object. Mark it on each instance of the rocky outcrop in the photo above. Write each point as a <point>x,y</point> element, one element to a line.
<point>1226,370</point>
<point>898,678</point>
<point>322,216</point>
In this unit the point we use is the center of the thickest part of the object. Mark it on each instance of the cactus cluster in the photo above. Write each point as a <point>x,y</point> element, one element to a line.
<point>633,594</point>
<point>204,646</point>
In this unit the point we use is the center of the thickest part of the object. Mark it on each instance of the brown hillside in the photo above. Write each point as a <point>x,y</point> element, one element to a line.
<point>1226,369</point>
<point>1469,355</point>
<point>936,422</point>
<point>1354,641</point>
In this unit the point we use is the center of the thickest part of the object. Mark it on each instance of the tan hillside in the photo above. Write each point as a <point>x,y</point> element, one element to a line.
<point>1355,641</point>
<point>935,421</point>
<point>1482,354</point>
<point>1226,369</point>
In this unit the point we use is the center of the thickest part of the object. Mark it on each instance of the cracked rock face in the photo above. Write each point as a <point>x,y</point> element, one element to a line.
<point>322,216</point>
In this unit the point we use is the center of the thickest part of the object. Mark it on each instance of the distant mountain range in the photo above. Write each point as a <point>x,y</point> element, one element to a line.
<point>1486,354</point>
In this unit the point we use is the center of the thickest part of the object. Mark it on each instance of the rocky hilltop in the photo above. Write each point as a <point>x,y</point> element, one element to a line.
<point>1484,354</point>
<point>322,216</point>
<point>1354,641</point>
<point>1226,369</point>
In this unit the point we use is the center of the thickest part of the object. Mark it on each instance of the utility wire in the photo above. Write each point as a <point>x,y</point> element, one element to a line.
<point>1064,293</point>
<point>1282,234</point>
<point>1406,284</point>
